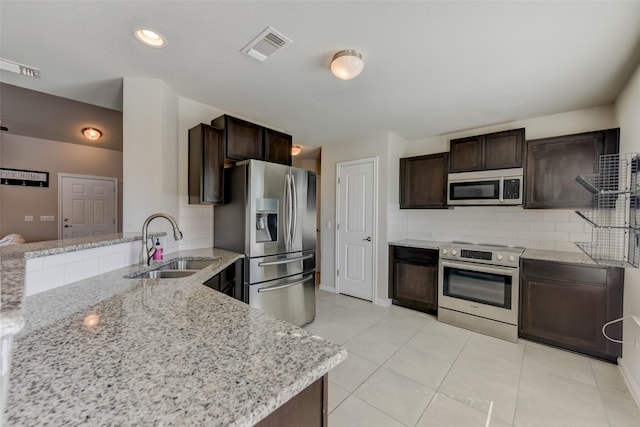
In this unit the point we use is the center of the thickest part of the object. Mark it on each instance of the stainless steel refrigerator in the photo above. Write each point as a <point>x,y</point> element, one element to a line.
<point>270,216</point>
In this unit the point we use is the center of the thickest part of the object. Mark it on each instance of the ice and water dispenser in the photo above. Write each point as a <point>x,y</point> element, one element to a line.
<point>266,220</point>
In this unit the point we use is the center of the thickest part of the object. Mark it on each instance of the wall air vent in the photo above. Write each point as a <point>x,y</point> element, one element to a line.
<point>14,67</point>
<point>266,44</point>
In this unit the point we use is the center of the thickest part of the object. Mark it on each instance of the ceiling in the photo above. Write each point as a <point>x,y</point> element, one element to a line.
<point>431,67</point>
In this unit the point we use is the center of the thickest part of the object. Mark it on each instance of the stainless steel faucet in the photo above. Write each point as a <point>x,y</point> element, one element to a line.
<point>146,253</point>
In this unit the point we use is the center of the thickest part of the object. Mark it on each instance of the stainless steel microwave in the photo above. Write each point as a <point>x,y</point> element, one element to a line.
<point>494,187</point>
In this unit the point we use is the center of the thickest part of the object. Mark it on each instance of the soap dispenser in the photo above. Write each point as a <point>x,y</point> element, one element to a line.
<point>157,254</point>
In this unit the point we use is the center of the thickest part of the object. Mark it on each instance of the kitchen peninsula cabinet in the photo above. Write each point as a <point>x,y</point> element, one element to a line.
<point>308,408</point>
<point>499,150</point>
<point>566,305</point>
<point>229,281</point>
<point>554,163</point>
<point>413,278</point>
<point>423,181</point>
<point>245,140</point>
<point>206,164</point>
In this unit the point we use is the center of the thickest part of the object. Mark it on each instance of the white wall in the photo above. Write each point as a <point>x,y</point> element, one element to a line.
<point>150,155</point>
<point>533,228</point>
<point>196,221</point>
<point>627,110</point>
<point>374,146</point>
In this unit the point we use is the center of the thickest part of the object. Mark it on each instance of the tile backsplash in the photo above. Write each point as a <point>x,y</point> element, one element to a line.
<point>513,225</point>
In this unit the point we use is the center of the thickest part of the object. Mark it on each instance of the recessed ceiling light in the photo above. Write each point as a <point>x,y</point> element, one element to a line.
<point>92,133</point>
<point>150,38</point>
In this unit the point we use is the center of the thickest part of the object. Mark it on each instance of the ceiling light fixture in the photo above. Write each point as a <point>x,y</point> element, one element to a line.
<point>92,133</point>
<point>347,64</point>
<point>295,150</point>
<point>150,38</point>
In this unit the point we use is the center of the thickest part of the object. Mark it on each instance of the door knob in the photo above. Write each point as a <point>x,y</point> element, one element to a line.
<point>67,226</point>
<point>368,239</point>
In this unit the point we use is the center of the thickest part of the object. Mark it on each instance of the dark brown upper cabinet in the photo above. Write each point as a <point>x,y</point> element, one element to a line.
<point>554,163</point>
<point>277,146</point>
<point>245,140</point>
<point>206,164</point>
<point>423,181</point>
<point>499,150</point>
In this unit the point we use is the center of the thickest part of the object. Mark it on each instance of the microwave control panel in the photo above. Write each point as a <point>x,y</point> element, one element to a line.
<point>511,189</point>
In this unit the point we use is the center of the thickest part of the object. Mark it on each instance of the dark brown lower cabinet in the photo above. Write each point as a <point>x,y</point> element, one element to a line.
<point>413,278</point>
<point>566,305</point>
<point>229,281</point>
<point>308,408</point>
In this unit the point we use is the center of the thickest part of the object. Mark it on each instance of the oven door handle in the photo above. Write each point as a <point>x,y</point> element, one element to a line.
<point>509,271</point>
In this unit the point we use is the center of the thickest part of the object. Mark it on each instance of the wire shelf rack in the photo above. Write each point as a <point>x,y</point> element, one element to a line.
<point>615,234</point>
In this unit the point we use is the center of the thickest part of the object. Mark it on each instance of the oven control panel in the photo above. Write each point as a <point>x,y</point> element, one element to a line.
<point>509,256</point>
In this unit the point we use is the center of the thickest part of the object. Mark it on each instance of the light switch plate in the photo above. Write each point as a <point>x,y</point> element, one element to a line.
<point>47,218</point>
<point>28,218</point>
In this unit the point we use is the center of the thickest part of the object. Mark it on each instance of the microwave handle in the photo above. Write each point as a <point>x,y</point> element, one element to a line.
<point>501,190</point>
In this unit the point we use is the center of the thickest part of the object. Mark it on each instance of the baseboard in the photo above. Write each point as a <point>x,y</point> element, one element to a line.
<point>634,388</point>
<point>384,302</point>
<point>327,288</point>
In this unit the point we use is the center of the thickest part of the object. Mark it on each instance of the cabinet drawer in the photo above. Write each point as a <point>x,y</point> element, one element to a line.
<point>417,255</point>
<point>565,272</point>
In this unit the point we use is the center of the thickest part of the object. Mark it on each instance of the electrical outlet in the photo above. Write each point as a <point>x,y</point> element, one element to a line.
<point>28,218</point>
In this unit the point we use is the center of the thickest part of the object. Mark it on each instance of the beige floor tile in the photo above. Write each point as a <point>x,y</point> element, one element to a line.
<point>445,411</point>
<point>480,392</point>
<point>372,347</point>
<point>620,408</point>
<point>403,399</point>
<point>490,365</point>
<point>352,372</point>
<point>563,397</point>
<point>436,346</point>
<point>559,362</point>
<point>353,412</point>
<point>496,347</point>
<point>608,376</point>
<point>336,395</point>
<point>530,384</point>
<point>418,367</point>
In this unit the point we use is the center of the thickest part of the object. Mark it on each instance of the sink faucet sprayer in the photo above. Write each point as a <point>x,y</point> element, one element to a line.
<point>146,253</point>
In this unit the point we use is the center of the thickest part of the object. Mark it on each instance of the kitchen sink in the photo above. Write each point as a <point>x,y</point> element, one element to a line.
<point>187,264</point>
<point>174,269</point>
<point>164,274</point>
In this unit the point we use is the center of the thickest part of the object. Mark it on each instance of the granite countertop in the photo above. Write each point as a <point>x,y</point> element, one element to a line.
<point>114,351</point>
<point>414,243</point>
<point>558,256</point>
<point>13,260</point>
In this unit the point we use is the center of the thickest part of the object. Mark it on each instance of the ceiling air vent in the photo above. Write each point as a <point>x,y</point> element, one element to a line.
<point>266,44</point>
<point>14,67</point>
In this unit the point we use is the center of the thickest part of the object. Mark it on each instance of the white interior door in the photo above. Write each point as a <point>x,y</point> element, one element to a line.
<point>356,238</point>
<point>87,206</point>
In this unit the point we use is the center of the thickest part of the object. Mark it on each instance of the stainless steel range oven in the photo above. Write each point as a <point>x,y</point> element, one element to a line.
<point>478,288</point>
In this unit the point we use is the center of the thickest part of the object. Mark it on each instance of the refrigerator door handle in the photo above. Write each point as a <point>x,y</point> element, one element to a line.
<point>284,261</point>
<point>294,207</point>
<point>286,218</point>
<point>288,285</point>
